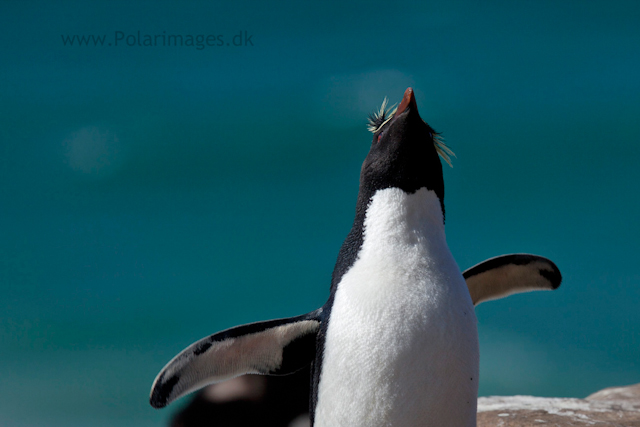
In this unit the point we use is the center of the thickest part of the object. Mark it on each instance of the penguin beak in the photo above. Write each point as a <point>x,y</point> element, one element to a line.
<point>408,102</point>
<point>406,115</point>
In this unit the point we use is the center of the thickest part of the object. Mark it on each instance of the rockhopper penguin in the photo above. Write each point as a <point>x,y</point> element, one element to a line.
<point>396,344</point>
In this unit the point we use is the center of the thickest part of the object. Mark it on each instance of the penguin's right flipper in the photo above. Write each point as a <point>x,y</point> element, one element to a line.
<point>274,347</point>
<point>510,274</point>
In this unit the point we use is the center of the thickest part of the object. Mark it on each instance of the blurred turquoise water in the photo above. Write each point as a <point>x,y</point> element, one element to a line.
<point>152,196</point>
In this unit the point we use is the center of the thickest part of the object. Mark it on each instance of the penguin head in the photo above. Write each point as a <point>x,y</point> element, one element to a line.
<point>404,152</point>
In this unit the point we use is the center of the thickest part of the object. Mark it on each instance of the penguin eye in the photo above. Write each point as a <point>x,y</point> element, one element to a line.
<point>380,136</point>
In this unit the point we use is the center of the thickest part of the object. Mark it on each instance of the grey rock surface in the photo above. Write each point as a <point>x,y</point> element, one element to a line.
<point>618,406</point>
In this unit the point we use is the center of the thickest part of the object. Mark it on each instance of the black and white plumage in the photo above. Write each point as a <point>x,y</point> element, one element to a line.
<point>396,342</point>
<point>506,275</point>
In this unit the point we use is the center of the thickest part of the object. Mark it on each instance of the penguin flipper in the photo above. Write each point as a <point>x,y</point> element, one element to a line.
<point>273,347</point>
<point>506,275</point>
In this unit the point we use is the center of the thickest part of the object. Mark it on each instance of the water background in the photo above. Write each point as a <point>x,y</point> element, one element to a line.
<point>150,196</point>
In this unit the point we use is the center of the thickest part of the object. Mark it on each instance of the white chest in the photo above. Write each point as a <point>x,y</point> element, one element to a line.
<point>402,345</point>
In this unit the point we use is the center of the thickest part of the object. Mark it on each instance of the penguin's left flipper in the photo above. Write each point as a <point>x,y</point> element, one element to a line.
<point>511,274</point>
<point>274,347</point>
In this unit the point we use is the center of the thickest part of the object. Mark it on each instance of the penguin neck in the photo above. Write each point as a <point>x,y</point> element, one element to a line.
<point>394,216</point>
<point>402,209</point>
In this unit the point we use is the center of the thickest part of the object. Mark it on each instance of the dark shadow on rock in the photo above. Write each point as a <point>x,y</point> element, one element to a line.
<point>250,400</point>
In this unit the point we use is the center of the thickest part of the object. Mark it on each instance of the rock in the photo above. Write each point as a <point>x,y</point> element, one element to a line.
<point>619,406</point>
<point>630,394</point>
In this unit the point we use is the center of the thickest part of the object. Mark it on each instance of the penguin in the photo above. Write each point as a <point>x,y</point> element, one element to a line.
<point>249,400</point>
<point>396,343</point>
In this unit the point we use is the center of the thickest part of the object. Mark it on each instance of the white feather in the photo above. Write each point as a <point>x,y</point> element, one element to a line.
<point>402,344</point>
